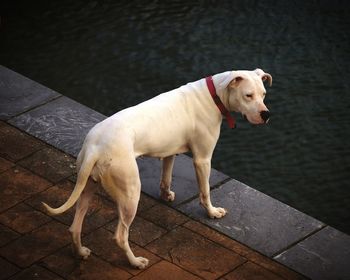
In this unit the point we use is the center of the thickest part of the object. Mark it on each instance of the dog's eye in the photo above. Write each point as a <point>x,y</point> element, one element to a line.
<point>250,96</point>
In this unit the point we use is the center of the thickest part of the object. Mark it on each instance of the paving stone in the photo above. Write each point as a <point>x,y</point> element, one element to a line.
<point>323,255</point>
<point>63,262</point>
<point>218,237</point>
<point>195,253</point>
<point>96,268</point>
<point>164,216</point>
<point>102,243</point>
<point>7,235</point>
<point>5,164</point>
<point>66,264</point>
<point>274,266</point>
<point>145,203</point>
<point>141,231</point>
<point>101,211</point>
<point>63,123</point>
<point>15,145</point>
<point>249,271</point>
<point>165,271</point>
<point>32,247</point>
<point>17,184</point>
<point>55,197</point>
<point>7,269</point>
<point>23,218</point>
<point>243,250</point>
<point>50,164</point>
<point>36,272</point>
<point>19,94</point>
<point>184,178</point>
<point>255,219</point>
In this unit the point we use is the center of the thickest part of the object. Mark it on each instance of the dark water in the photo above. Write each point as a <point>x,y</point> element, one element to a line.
<point>111,55</point>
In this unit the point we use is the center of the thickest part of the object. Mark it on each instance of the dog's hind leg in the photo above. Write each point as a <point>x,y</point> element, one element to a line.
<point>127,211</point>
<point>124,186</point>
<point>165,181</point>
<point>80,212</point>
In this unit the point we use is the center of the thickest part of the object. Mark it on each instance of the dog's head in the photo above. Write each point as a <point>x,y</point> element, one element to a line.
<point>246,94</point>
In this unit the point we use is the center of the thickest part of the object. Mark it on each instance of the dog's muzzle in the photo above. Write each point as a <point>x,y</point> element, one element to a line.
<point>265,115</point>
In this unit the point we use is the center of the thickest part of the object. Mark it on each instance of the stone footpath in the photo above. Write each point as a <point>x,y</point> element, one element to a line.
<point>40,134</point>
<point>34,245</point>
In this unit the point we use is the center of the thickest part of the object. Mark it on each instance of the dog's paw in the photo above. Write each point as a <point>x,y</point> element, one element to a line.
<point>217,212</point>
<point>84,252</point>
<point>140,262</point>
<point>167,196</point>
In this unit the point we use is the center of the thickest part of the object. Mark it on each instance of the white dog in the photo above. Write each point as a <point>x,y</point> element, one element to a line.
<point>181,120</point>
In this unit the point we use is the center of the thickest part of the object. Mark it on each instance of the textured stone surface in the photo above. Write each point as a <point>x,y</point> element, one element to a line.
<point>190,251</point>
<point>7,269</point>
<point>23,218</point>
<point>18,184</point>
<point>5,164</point>
<point>55,197</point>
<point>62,123</point>
<point>19,94</point>
<point>36,272</point>
<point>324,255</point>
<point>164,216</point>
<point>243,250</point>
<point>30,248</point>
<point>249,271</point>
<point>65,264</point>
<point>50,163</point>
<point>15,145</point>
<point>184,182</point>
<point>166,271</point>
<point>145,203</point>
<point>95,267</point>
<point>7,235</point>
<point>254,218</point>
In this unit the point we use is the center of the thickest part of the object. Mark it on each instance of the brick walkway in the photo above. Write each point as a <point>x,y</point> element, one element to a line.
<point>34,245</point>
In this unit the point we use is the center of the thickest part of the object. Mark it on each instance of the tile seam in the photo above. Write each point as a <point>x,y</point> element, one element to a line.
<point>286,248</point>
<point>32,108</point>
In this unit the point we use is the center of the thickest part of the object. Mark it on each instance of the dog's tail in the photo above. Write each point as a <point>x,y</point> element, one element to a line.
<point>83,175</point>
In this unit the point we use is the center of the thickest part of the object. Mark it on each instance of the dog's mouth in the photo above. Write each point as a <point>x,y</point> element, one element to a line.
<point>251,121</point>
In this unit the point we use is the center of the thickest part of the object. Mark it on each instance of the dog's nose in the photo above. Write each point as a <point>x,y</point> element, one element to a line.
<point>265,115</point>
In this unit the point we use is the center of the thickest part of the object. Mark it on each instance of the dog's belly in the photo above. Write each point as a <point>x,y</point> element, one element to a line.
<point>165,153</point>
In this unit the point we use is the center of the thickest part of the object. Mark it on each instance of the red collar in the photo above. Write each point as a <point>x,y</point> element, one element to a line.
<point>230,120</point>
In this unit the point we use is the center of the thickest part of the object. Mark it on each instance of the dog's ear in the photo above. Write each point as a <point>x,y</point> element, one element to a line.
<point>264,76</point>
<point>235,81</point>
<point>228,79</point>
<point>267,77</point>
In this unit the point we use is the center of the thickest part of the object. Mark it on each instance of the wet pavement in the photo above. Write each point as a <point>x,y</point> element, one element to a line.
<point>34,245</point>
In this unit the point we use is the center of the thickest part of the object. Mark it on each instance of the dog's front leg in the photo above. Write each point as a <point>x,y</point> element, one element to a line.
<point>165,181</point>
<point>203,167</point>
